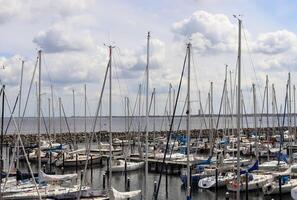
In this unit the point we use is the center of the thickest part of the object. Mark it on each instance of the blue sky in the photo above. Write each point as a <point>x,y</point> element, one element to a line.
<point>71,34</point>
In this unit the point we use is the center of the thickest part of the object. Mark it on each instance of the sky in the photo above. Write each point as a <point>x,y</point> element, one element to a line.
<point>73,35</point>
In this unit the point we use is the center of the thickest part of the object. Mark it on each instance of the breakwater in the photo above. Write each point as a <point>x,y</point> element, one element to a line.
<point>32,138</point>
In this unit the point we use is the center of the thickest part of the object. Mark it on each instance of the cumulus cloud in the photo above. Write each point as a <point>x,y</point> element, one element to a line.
<point>60,38</point>
<point>9,9</point>
<point>275,42</point>
<point>137,62</point>
<point>209,32</point>
<point>75,67</point>
<point>279,63</point>
<point>15,9</point>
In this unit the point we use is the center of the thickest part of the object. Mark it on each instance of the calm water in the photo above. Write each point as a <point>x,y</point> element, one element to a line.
<point>175,190</point>
<point>119,124</point>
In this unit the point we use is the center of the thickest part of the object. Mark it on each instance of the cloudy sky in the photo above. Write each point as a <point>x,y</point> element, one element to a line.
<point>72,34</point>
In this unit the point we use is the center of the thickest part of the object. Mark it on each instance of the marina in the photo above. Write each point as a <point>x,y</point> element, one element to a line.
<point>145,119</point>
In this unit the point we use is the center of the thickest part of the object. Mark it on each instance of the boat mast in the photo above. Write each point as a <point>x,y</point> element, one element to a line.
<point>73,104</point>
<point>238,109</point>
<point>290,119</point>
<point>19,113</point>
<point>110,115</point>
<point>39,113</point>
<point>2,134</point>
<point>139,124</point>
<point>294,101</point>
<point>154,122</point>
<point>188,124</point>
<point>49,117</point>
<point>255,121</point>
<point>53,110</point>
<point>147,118</point>
<point>85,108</point>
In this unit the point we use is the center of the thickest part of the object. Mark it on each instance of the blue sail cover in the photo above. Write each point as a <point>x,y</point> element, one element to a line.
<point>224,141</point>
<point>282,157</point>
<point>252,168</point>
<point>204,162</point>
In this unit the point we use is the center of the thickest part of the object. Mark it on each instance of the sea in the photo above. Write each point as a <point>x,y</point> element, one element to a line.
<point>119,124</point>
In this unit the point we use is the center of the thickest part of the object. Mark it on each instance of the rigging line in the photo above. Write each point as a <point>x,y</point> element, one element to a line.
<point>47,71</point>
<point>23,148</point>
<point>164,113</point>
<point>195,73</point>
<point>171,126</point>
<point>252,62</point>
<point>67,124</point>
<point>133,114</point>
<point>118,81</point>
<point>277,112</point>
<point>283,124</point>
<point>28,95</point>
<point>219,116</point>
<point>202,112</point>
<point>14,107</point>
<point>118,53</point>
<point>263,105</point>
<point>171,151</point>
<point>244,109</point>
<point>93,128</point>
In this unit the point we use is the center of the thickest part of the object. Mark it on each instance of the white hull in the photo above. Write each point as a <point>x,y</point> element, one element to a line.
<point>131,166</point>
<point>273,187</point>
<point>257,183</point>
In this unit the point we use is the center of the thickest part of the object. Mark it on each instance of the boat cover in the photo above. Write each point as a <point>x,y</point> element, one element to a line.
<point>116,195</point>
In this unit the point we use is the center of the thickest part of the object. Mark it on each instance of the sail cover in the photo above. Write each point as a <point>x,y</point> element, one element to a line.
<point>116,195</point>
<point>49,178</point>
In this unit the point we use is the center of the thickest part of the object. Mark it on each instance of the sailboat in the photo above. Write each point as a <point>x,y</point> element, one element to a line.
<point>119,165</point>
<point>287,183</point>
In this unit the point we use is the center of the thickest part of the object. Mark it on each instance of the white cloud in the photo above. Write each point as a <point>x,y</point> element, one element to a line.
<point>209,32</point>
<point>135,66</point>
<point>61,38</point>
<point>15,9</point>
<point>279,63</point>
<point>9,9</point>
<point>275,42</point>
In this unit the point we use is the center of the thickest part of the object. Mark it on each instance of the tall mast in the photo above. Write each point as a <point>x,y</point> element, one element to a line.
<point>147,117</point>
<point>49,116</point>
<point>169,101</point>
<point>2,134</point>
<point>294,101</point>
<point>238,109</point>
<point>267,110</point>
<point>290,118</point>
<point>39,114</point>
<point>53,110</point>
<point>73,104</point>
<point>154,125</point>
<point>19,113</point>
<point>60,114</point>
<point>211,116</point>
<point>85,108</point>
<point>188,123</point>
<point>110,116</point>
<point>255,121</point>
<point>139,123</point>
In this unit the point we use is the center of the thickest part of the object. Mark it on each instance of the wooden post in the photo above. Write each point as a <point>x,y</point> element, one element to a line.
<point>76,162</point>
<point>246,185</point>
<point>103,181</point>
<point>280,187</point>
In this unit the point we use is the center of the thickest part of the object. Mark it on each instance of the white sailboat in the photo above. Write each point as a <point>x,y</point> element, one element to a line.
<point>255,182</point>
<point>119,166</point>
<point>210,182</point>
